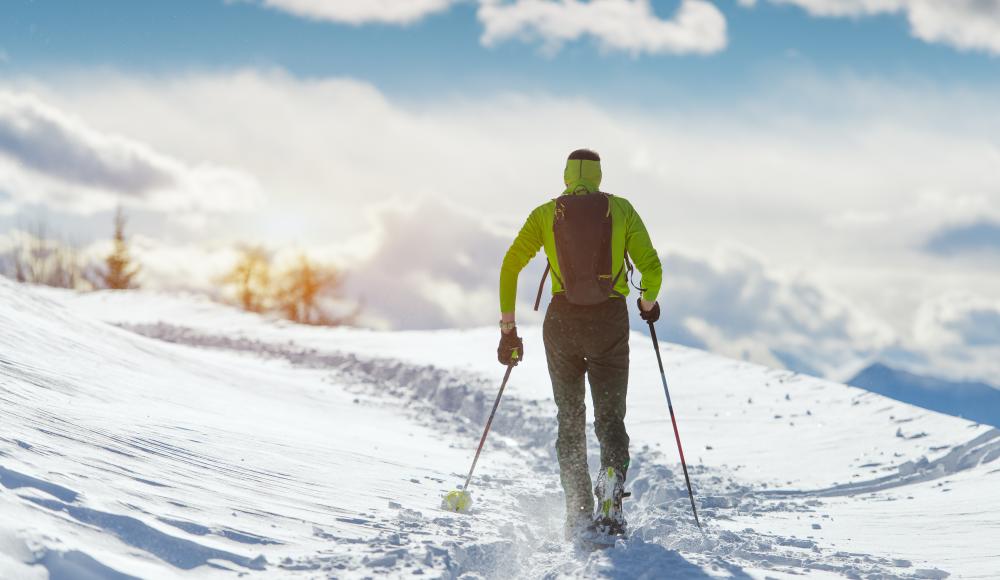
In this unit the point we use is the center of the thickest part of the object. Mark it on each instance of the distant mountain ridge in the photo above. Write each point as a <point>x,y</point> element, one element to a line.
<point>970,400</point>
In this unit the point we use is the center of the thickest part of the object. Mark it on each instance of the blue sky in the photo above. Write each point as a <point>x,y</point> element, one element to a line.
<point>797,162</point>
<point>442,53</point>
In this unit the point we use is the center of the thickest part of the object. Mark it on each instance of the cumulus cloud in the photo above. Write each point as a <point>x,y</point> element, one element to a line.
<point>847,196</point>
<point>433,265</point>
<point>45,140</point>
<point>964,24</point>
<point>698,27</point>
<point>48,155</point>
<point>956,334</point>
<point>735,303</point>
<point>325,146</point>
<point>429,264</point>
<point>436,266</point>
<point>399,12</point>
<point>860,185</point>
<point>959,320</point>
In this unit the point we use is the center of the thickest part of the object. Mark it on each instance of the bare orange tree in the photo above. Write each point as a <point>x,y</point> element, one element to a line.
<point>304,288</point>
<point>252,278</point>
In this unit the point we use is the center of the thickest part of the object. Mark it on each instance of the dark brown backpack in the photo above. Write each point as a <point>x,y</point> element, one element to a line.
<point>582,230</point>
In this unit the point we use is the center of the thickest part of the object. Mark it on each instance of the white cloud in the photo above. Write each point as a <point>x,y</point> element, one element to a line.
<point>427,264</point>
<point>964,24</point>
<point>958,320</point>
<point>955,335</point>
<point>435,266</point>
<point>329,148</point>
<point>737,304</point>
<point>844,179</point>
<point>697,27</point>
<point>432,265</point>
<point>401,12</point>
<point>47,155</point>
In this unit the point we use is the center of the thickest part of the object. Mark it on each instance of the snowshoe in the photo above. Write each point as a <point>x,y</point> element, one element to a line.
<point>608,517</point>
<point>584,535</point>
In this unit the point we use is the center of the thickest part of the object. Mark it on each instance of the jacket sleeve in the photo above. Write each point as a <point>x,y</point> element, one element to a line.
<point>643,254</point>
<point>524,248</point>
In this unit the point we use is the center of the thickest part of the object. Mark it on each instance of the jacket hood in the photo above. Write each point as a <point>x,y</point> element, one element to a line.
<point>582,176</point>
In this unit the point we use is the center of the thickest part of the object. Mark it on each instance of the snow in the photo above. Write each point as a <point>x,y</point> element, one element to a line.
<point>151,435</point>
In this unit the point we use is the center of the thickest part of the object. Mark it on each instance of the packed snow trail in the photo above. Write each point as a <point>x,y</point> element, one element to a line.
<point>197,440</point>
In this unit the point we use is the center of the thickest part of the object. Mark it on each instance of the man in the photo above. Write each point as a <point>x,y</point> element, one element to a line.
<point>586,234</point>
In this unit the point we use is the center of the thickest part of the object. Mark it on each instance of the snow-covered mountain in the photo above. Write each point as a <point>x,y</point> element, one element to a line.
<point>975,401</point>
<point>156,436</point>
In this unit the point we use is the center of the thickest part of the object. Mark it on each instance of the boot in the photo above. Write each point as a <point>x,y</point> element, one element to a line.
<point>610,490</point>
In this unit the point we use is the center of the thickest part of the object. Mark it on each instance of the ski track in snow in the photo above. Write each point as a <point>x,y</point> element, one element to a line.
<point>205,512</point>
<point>659,511</point>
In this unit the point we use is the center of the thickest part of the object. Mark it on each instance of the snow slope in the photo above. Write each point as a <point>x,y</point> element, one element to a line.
<point>156,436</point>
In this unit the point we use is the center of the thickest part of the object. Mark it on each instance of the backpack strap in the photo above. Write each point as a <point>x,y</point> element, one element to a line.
<point>615,282</point>
<point>631,272</point>
<point>541,284</point>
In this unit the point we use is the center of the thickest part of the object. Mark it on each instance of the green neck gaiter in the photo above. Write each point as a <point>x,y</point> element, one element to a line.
<point>582,176</point>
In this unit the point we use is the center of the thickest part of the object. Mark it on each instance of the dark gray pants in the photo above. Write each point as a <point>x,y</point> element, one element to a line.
<point>592,341</point>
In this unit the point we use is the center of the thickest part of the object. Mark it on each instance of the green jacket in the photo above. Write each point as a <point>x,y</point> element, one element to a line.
<point>627,234</point>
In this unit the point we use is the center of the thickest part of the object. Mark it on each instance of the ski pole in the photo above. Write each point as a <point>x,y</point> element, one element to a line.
<point>486,430</point>
<point>677,435</point>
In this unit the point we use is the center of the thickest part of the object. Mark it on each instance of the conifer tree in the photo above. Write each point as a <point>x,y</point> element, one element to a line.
<point>119,271</point>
